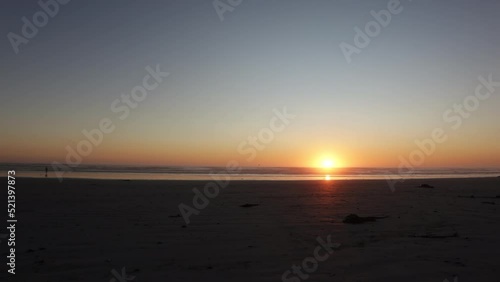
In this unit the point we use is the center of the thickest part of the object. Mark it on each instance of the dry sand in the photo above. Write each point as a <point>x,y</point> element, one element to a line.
<point>80,230</point>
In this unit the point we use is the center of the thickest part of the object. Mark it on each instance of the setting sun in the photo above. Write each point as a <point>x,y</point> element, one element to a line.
<point>328,163</point>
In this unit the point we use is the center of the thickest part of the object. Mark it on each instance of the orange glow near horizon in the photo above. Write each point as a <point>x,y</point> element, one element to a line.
<point>322,157</point>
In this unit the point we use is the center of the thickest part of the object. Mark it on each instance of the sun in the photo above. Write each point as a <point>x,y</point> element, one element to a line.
<point>328,163</point>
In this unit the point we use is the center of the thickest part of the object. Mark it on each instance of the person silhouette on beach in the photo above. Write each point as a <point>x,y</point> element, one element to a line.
<point>46,171</point>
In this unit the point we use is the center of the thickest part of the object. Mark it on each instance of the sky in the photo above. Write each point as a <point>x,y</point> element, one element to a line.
<point>229,74</point>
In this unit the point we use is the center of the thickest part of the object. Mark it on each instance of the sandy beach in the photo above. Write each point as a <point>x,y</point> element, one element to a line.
<point>82,229</point>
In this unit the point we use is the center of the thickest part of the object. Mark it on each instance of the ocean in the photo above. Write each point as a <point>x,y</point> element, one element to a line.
<point>243,173</point>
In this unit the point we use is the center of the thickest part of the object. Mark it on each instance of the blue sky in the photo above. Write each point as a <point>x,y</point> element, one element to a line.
<point>227,76</point>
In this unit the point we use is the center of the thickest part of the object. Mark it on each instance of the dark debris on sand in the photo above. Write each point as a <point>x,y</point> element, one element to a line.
<point>426,186</point>
<point>355,219</point>
<point>436,236</point>
<point>483,197</point>
<point>489,203</point>
<point>248,205</point>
